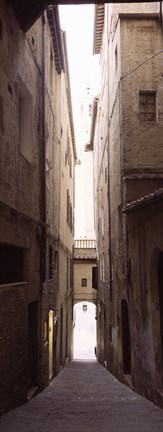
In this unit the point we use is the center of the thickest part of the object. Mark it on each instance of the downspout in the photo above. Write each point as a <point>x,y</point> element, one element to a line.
<point>43,179</point>
<point>109,200</point>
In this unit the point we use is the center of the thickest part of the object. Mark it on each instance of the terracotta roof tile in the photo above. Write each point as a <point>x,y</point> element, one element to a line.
<point>144,200</point>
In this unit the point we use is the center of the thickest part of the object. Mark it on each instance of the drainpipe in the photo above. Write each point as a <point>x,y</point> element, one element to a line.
<point>43,162</point>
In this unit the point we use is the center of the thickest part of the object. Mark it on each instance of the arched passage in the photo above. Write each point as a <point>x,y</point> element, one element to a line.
<point>156,279</point>
<point>84,336</point>
<point>126,347</point>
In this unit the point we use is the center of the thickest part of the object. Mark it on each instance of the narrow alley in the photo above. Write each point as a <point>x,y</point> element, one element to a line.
<point>85,397</point>
<point>81,216</point>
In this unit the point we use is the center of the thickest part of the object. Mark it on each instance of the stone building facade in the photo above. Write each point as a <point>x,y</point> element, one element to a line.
<point>34,82</point>
<point>126,137</point>
<point>64,346</point>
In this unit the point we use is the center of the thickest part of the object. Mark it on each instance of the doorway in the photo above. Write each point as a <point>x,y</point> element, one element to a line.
<point>61,334</point>
<point>160,290</point>
<point>32,344</point>
<point>67,333</point>
<point>156,282</point>
<point>126,347</point>
<point>50,344</point>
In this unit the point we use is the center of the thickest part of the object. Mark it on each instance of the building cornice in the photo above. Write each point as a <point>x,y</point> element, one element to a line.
<point>98,27</point>
<point>54,23</point>
<point>139,16</point>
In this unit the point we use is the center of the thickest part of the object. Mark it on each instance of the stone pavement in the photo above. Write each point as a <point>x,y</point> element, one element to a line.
<point>85,397</point>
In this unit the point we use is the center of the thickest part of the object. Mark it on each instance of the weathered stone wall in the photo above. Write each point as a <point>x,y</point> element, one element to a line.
<point>142,143</point>
<point>66,172</point>
<point>21,200</point>
<point>145,239</point>
<point>135,164</point>
<point>135,148</point>
<point>65,176</point>
<point>64,304</point>
<point>15,298</point>
<point>52,136</point>
<point>20,177</point>
<point>20,195</point>
<point>101,189</point>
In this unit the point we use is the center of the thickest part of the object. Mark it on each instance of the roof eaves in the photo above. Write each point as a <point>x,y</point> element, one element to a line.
<point>98,27</point>
<point>54,23</point>
<point>143,201</point>
<point>89,146</point>
<point>139,16</point>
<point>28,12</point>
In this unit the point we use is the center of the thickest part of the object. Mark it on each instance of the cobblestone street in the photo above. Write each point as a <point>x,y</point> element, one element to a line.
<point>85,397</point>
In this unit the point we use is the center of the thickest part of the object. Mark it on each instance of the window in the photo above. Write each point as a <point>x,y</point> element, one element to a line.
<point>70,217</point>
<point>1,113</point>
<point>95,277</point>
<point>119,222</point>
<point>116,58</point>
<point>0,29</point>
<point>111,291</point>
<point>70,163</point>
<point>106,175</point>
<point>51,264</point>
<point>46,331</point>
<point>51,67</point>
<point>24,106</point>
<point>90,110</point>
<point>10,89</point>
<point>102,222</point>
<point>71,273</point>
<point>68,155</point>
<point>67,149</point>
<point>48,162</point>
<point>102,268</point>
<point>11,264</point>
<point>69,212</point>
<point>110,332</point>
<point>147,102</point>
<point>55,273</point>
<point>68,208</point>
<point>68,273</point>
<point>88,88</point>
<point>84,282</point>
